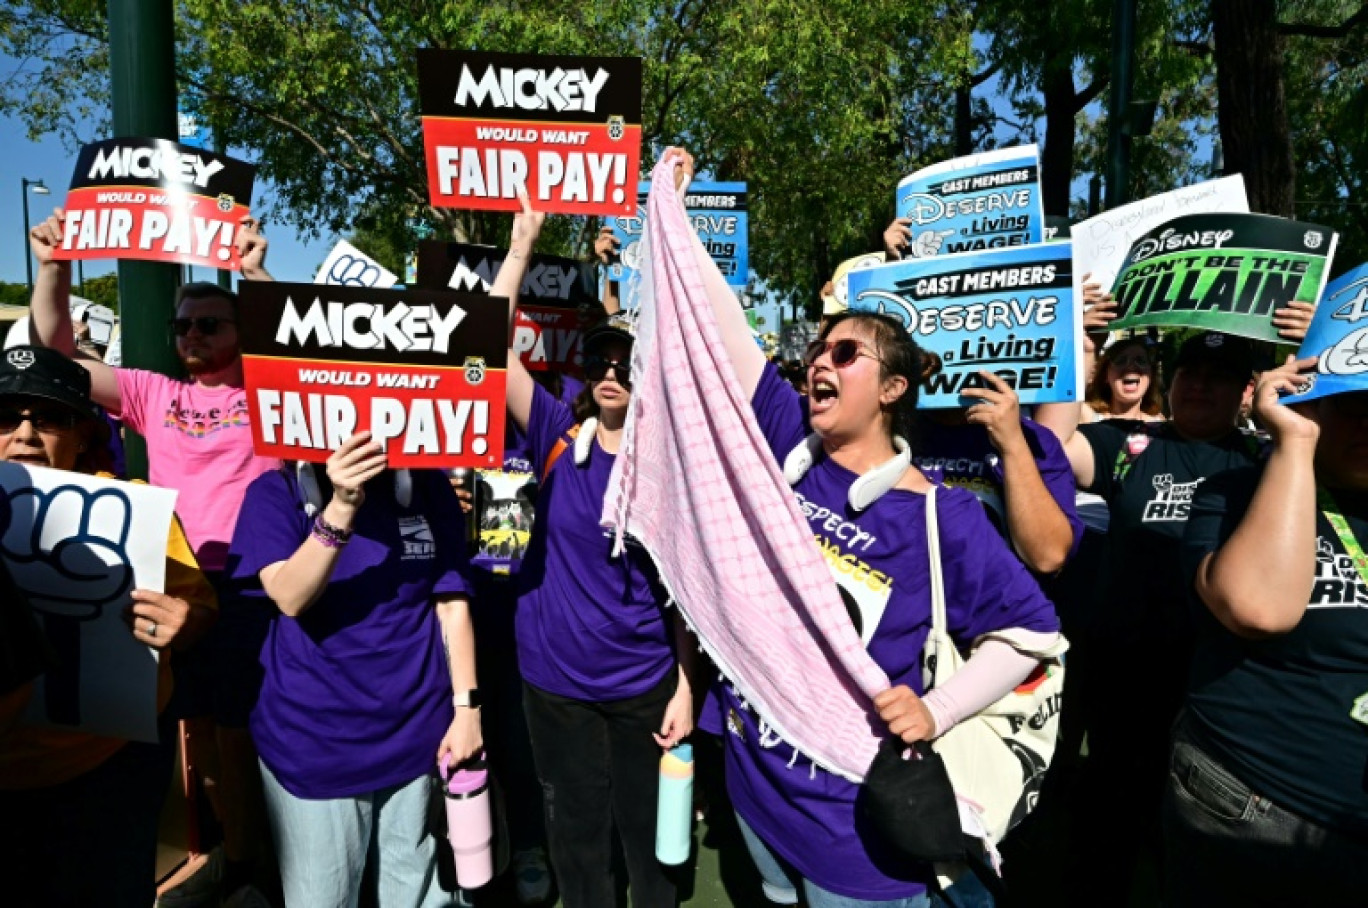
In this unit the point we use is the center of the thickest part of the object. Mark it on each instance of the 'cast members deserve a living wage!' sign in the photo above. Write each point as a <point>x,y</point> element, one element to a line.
<point>423,371</point>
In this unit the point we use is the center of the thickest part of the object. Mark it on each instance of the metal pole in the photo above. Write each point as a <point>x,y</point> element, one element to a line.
<point>142,63</point>
<point>28,253</point>
<point>1118,135</point>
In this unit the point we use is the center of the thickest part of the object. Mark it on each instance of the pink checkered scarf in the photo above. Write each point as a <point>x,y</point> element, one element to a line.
<point>697,485</point>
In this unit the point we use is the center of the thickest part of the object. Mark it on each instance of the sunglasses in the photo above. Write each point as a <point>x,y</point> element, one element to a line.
<point>208,325</point>
<point>596,367</point>
<point>1139,360</point>
<point>48,422</point>
<point>843,352</point>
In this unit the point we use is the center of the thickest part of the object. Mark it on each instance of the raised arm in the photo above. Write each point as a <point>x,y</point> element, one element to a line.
<point>746,357</point>
<point>1062,419</point>
<point>50,311</point>
<point>1036,525</point>
<point>296,583</point>
<point>605,251</point>
<point>1260,581</point>
<point>251,248</point>
<point>527,225</point>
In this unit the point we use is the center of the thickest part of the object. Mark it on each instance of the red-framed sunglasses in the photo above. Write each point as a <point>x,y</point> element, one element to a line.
<point>843,352</point>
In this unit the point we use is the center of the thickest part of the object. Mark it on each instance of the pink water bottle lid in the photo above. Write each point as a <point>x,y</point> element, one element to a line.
<point>468,781</point>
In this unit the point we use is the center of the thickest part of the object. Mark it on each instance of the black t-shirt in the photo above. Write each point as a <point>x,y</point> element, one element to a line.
<point>1147,474</point>
<point>1276,711</point>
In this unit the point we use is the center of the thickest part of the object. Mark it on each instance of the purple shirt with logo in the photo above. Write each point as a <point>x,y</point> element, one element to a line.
<point>590,626</point>
<point>879,559</point>
<point>357,693</point>
<point>964,456</point>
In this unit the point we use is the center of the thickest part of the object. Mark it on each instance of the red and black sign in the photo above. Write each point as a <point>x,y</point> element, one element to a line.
<point>423,371</point>
<point>156,200</point>
<point>567,130</point>
<point>546,330</point>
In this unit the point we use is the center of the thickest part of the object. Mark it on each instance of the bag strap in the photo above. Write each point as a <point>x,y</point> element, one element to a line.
<point>937,579</point>
<point>562,444</point>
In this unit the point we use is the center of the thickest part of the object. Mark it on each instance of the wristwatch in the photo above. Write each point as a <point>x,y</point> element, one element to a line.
<point>470,698</point>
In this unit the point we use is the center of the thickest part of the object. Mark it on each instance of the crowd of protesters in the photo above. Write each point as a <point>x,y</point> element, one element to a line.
<point>324,667</point>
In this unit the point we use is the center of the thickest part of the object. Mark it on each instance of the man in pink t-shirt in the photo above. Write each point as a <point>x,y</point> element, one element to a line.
<point>199,442</point>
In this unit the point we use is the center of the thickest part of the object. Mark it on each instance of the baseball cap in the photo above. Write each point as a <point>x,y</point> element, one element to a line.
<point>1225,351</point>
<point>618,326</point>
<point>39,372</point>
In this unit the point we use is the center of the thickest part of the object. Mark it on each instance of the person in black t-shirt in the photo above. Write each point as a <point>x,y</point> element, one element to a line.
<point>1136,637</point>
<point>1266,801</point>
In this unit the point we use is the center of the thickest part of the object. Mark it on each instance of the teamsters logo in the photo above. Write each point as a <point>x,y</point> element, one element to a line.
<point>475,369</point>
<point>225,202</point>
<point>617,128</point>
<point>1313,239</point>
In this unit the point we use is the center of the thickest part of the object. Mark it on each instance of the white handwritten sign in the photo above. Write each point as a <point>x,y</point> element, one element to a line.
<point>1100,243</point>
<point>348,266</point>
<point>70,545</point>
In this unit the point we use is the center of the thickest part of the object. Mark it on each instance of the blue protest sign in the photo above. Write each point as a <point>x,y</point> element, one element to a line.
<point>1006,311</point>
<point>1339,337</point>
<point>983,201</point>
<point>718,213</point>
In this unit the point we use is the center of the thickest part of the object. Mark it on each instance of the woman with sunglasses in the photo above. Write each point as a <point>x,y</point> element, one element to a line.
<point>606,670</point>
<point>68,795</point>
<point>846,448</point>
<point>1265,802</point>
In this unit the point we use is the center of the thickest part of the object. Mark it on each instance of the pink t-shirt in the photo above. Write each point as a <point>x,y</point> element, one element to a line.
<point>199,442</point>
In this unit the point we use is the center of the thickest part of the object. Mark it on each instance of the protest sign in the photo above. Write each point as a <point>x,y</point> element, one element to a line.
<point>1338,336</point>
<point>1007,311</point>
<point>1100,243</point>
<point>70,545</point>
<point>983,201</point>
<point>1222,272</point>
<point>567,130</point>
<point>155,200</point>
<point>717,212</point>
<point>546,328</point>
<point>423,371</point>
<point>505,504</point>
<point>348,266</point>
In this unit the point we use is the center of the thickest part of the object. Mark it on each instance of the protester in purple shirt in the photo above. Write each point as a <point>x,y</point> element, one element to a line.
<point>370,650</point>
<point>607,672</point>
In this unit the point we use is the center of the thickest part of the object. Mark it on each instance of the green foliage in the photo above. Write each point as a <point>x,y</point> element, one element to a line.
<point>103,290</point>
<point>14,294</point>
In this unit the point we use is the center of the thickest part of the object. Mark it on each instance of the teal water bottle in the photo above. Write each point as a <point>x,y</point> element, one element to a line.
<point>674,806</point>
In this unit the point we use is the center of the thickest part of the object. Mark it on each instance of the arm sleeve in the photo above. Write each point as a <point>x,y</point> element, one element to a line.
<point>987,676</point>
<point>781,412</point>
<point>271,526</point>
<point>1057,474</point>
<point>547,424</point>
<point>987,588</point>
<point>138,388</point>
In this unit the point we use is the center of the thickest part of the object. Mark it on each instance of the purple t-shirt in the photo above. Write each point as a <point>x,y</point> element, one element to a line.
<point>357,693</point>
<point>803,813</point>
<point>589,626</point>
<point>964,456</point>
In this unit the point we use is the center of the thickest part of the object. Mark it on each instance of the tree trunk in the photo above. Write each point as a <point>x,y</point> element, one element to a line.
<point>1056,158</point>
<point>1252,107</point>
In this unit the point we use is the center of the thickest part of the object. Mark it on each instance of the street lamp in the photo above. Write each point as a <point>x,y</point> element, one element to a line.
<point>37,188</point>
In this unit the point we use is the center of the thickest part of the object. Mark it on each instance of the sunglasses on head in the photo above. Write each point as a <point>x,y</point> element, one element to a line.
<point>843,352</point>
<point>596,367</point>
<point>208,325</point>
<point>49,422</point>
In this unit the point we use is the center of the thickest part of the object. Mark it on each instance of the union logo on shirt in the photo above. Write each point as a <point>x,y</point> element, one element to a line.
<point>1338,584</point>
<point>417,539</point>
<point>1172,500</point>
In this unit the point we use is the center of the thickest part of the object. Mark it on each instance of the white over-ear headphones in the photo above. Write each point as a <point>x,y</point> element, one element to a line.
<point>866,489</point>
<point>584,441</point>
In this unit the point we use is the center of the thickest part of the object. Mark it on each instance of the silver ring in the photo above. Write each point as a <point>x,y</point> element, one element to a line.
<point>151,628</point>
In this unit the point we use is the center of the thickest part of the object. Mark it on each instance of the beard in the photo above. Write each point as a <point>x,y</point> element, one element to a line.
<point>203,361</point>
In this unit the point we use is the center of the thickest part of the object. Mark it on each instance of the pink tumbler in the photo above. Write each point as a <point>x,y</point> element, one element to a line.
<point>469,827</point>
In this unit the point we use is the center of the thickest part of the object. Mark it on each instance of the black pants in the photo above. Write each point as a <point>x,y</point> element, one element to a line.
<point>600,769</point>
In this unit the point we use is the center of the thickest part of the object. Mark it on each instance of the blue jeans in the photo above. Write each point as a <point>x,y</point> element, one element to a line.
<point>777,879</point>
<point>324,846</point>
<point>1227,845</point>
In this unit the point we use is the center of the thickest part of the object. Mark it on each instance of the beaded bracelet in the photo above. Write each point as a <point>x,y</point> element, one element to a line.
<point>329,535</point>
